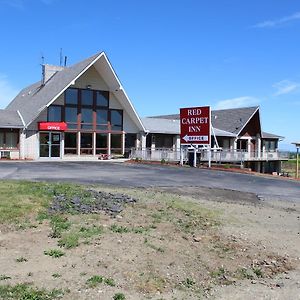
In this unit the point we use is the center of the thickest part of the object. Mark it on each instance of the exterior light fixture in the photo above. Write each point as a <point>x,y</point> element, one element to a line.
<point>89,86</point>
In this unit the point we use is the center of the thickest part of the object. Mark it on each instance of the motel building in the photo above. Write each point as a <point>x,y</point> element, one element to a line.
<point>83,112</point>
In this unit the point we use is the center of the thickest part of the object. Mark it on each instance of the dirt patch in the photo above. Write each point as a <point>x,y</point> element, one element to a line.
<point>164,246</point>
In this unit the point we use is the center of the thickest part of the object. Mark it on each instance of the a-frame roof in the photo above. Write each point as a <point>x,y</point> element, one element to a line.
<point>32,100</point>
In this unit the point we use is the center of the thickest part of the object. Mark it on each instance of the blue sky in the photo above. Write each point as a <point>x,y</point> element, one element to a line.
<point>167,53</point>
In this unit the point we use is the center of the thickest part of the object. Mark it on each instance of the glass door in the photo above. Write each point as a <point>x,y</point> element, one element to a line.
<point>50,144</point>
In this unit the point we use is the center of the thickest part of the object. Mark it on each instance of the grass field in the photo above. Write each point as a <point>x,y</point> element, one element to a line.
<point>164,246</point>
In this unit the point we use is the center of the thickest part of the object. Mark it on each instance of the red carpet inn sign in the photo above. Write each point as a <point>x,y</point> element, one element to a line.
<point>195,125</point>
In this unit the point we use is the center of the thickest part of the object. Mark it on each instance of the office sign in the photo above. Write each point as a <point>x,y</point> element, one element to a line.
<point>53,126</point>
<point>195,125</point>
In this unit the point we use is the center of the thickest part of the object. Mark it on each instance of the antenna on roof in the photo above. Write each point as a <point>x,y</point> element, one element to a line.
<point>60,57</point>
<point>42,59</point>
<point>65,64</point>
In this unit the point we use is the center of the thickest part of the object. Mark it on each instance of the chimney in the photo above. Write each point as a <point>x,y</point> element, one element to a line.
<point>48,71</point>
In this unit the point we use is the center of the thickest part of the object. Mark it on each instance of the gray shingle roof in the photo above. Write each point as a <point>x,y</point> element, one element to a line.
<point>228,120</point>
<point>172,126</point>
<point>266,135</point>
<point>10,119</point>
<point>161,125</point>
<point>33,99</point>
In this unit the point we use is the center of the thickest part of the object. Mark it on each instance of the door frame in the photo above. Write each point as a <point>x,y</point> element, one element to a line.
<point>50,144</point>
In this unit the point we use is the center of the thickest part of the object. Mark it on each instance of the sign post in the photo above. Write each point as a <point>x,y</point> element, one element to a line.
<point>195,123</point>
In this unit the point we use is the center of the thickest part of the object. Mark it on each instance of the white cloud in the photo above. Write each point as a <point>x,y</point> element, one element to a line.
<point>284,87</point>
<point>237,102</point>
<point>7,91</point>
<point>20,4</point>
<point>14,3</point>
<point>278,22</point>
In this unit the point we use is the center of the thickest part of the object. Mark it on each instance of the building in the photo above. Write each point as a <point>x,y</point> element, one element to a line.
<point>237,137</point>
<point>82,111</point>
<point>74,111</point>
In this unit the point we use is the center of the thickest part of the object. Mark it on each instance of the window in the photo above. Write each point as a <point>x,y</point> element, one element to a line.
<point>9,139</point>
<point>86,143</point>
<point>54,113</point>
<point>1,139</point>
<point>116,143</point>
<point>101,143</point>
<point>71,96</point>
<point>102,119</point>
<point>87,97</point>
<point>86,118</point>
<point>116,119</point>
<point>70,142</point>
<point>102,98</point>
<point>71,117</point>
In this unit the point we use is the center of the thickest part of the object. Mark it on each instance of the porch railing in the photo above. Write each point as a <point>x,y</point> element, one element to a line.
<point>168,154</point>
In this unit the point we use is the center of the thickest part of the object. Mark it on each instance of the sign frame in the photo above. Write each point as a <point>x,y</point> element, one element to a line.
<point>195,125</point>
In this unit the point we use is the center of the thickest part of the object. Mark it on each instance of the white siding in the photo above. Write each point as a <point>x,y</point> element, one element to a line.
<point>93,78</point>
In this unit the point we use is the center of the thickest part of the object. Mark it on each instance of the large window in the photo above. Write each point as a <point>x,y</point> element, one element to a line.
<point>87,118</point>
<point>116,119</point>
<point>9,139</point>
<point>71,117</point>
<point>101,143</point>
<point>102,98</point>
<point>87,97</point>
<point>70,143</point>
<point>54,113</point>
<point>101,119</point>
<point>116,143</point>
<point>86,143</point>
<point>71,96</point>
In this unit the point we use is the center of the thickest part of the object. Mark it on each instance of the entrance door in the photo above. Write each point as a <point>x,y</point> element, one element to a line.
<point>50,144</point>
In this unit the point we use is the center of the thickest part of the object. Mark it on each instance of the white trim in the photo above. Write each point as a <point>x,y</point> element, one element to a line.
<point>69,84</point>
<point>120,88</point>
<point>21,118</point>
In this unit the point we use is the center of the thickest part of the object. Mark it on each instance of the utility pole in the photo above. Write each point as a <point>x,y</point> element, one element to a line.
<point>297,144</point>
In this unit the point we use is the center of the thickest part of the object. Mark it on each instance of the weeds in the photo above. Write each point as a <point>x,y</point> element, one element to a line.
<point>56,275</point>
<point>188,283</point>
<point>21,259</point>
<point>158,249</point>
<point>55,253</point>
<point>58,225</point>
<point>26,292</point>
<point>119,296</point>
<point>4,277</point>
<point>96,279</point>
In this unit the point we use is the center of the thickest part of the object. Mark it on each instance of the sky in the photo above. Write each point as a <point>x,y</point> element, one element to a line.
<point>167,53</point>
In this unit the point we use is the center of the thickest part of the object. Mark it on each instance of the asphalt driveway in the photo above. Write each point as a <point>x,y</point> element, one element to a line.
<point>138,175</point>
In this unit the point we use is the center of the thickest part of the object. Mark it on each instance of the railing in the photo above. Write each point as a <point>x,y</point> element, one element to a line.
<point>168,154</point>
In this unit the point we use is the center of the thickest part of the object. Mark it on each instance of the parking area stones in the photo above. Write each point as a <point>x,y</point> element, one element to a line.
<point>91,202</point>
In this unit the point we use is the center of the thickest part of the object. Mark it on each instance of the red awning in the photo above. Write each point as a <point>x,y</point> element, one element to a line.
<point>53,126</point>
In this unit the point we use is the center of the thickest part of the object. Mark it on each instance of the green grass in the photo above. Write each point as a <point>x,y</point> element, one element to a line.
<point>20,199</point>
<point>59,224</point>
<point>97,279</point>
<point>55,253</point>
<point>27,292</point>
<point>119,229</point>
<point>71,239</point>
